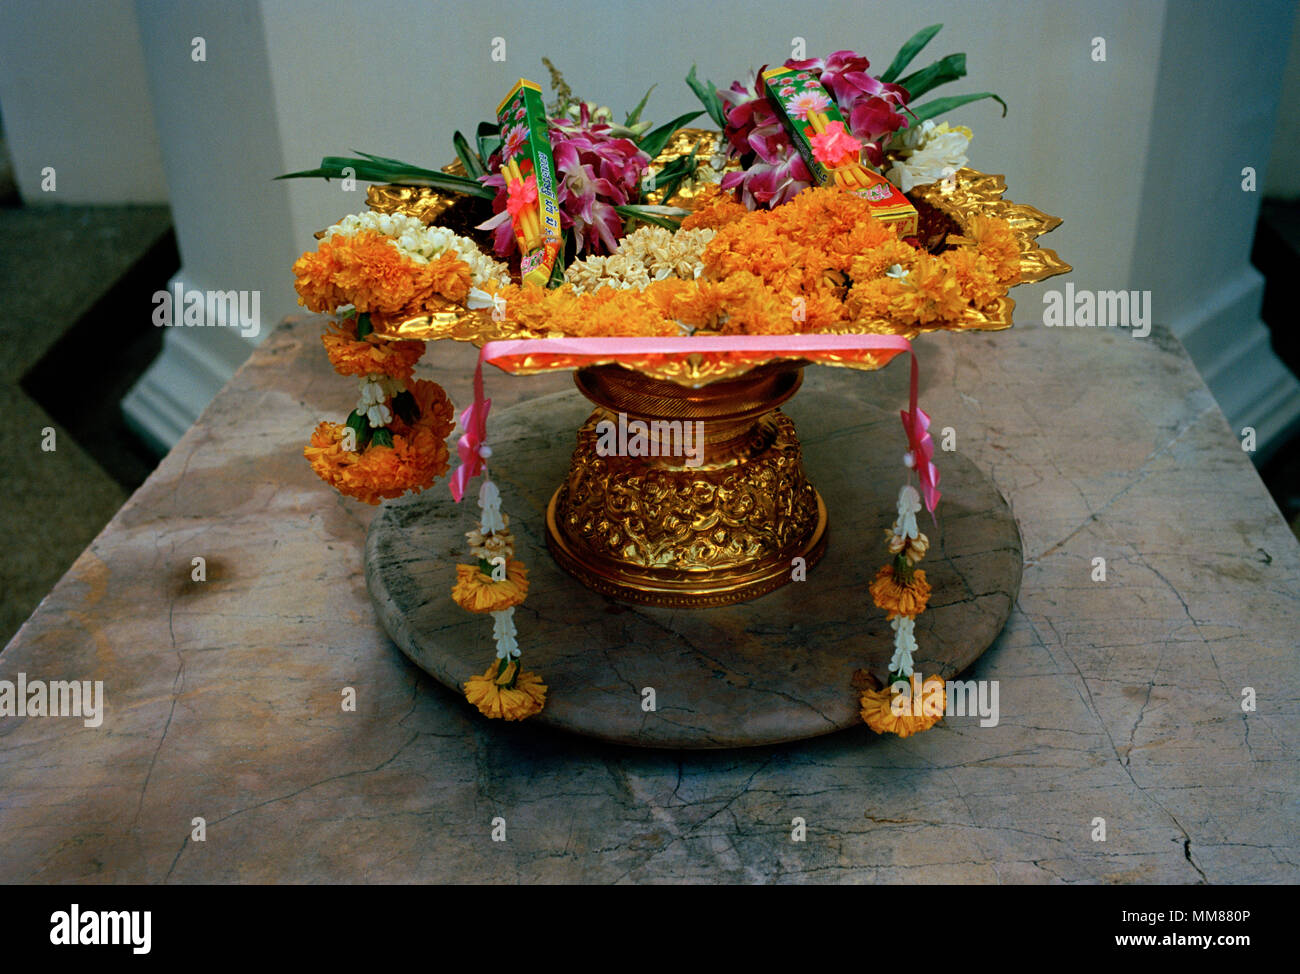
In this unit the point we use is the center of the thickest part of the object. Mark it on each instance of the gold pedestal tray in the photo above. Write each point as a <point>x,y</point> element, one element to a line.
<point>715,511</point>
<point>774,668</point>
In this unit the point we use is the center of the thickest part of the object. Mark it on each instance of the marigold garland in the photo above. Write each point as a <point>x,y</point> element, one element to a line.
<point>887,711</point>
<point>413,463</point>
<point>370,355</point>
<point>506,693</point>
<point>475,591</point>
<point>898,597</point>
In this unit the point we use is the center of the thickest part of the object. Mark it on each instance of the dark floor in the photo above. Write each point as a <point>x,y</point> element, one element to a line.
<point>74,335</point>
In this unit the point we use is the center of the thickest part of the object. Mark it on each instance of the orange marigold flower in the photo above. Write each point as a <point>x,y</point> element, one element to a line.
<point>366,356</point>
<point>367,270</point>
<point>974,275</point>
<point>377,473</point>
<point>476,592</point>
<point>714,208</point>
<point>897,598</point>
<point>939,298</point>
<point>436,412</point>
<point>509,695</point>
<point>996,241</point>
<point>887,712</point>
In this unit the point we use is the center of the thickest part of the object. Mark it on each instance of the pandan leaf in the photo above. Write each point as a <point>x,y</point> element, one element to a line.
<point>669,217</point>
<point>707,93</point>
<point>634,115</point>
<point>488,136</point>
<point>468,157</point>
<point>654,141</point>
<point>941,72</point>
<point>933,109</point>
<point>383,437</point>
<point>910,50</point>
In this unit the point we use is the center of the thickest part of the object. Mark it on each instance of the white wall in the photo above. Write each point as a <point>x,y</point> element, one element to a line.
<point>74,97</point>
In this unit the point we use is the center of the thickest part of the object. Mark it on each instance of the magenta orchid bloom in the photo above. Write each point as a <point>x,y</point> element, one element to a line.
<point>773,171</point>
<point>596,172</point>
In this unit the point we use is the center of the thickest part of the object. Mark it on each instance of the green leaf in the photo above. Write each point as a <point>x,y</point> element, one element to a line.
<point>910,50</point>
<point>383,437</point>
<point>656,139</point>
<point>941,72</point>
<point>364,327</point>
<point>488,137</point>
<point>634,115</point>
<point>406,408</point>
<point>349,313</point>
<point>707,93</point>
<point>467,156</point>
<point>669,217</point>
<point>678,171</point>
<point>557,270</point>
<point>357,423</point>
<point>933,109</point>
<point>369,170</point>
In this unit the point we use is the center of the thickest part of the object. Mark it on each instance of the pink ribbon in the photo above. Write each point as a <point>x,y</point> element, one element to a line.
<point>470,445</point>
<point>601,350</point>
<point>916,424</point>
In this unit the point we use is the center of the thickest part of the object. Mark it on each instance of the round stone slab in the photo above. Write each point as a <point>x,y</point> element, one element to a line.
<point>778,668</point>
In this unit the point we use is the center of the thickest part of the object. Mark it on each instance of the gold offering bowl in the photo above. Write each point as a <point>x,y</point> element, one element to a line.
<point>655,528</point>
<point>686,497</point>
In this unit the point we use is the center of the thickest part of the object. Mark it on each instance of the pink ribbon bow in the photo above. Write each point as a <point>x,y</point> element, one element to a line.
<point>916,424</point>
<point>521,195</point>
<point>470,445</point>
<point>835,146</point>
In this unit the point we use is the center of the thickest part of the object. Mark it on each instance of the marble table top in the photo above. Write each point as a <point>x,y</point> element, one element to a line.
<point>1120,699</point>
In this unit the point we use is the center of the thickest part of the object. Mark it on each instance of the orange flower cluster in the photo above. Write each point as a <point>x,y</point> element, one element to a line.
<point>897,597</point>
<point>366,270</point>
<point>510,694</point>
<point>417,457</point>
<point>917,712</point>
<point>370,355</point>
<point>818,263</point>
<point>477,592</point>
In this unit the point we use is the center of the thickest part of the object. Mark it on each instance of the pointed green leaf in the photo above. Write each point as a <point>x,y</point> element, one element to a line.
<point>910,50</point>
<point>933,109</point>
<point>634,115</point>
<point>941,72</point>
<point>357,423</point>
<point>406,408</point>
<point>488,136</point>
<point>655,140</point>
<point>383,437</point>
<point>669,217</point>
<point>467,156</point>
<point>364,327</point>
<point>707,93</point>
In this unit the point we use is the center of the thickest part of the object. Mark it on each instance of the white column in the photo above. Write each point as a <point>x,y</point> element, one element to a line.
<point>221,150</point>
<point>1221,71</point>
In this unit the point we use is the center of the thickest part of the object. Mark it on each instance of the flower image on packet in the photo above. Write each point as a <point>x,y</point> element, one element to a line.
<point>529,171</point>
<point>830,152</point>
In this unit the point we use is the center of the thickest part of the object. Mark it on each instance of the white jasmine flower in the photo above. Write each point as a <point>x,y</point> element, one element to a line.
<point>503,631</point>
<point>379,415</point>
<point>927,154</point>
<point>904,645</point>
<point>909,504</point>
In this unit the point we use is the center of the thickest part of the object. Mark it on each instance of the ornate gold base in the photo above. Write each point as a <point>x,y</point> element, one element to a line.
<point>686,498</point>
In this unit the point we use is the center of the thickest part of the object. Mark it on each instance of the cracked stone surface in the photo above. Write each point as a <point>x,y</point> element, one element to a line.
<point>766,671</point>
<point>1119,699</point>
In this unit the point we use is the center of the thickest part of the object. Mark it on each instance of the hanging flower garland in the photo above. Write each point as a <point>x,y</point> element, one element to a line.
<point>902,591</point>
<point>393,441</point>
<point>496,582</point>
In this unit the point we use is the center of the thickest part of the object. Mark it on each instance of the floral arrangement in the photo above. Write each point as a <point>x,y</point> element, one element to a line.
<point>764,246</point>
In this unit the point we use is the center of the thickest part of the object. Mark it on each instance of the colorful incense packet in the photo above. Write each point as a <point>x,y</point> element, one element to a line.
<point>529,171</point>
<point>830,152</point>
